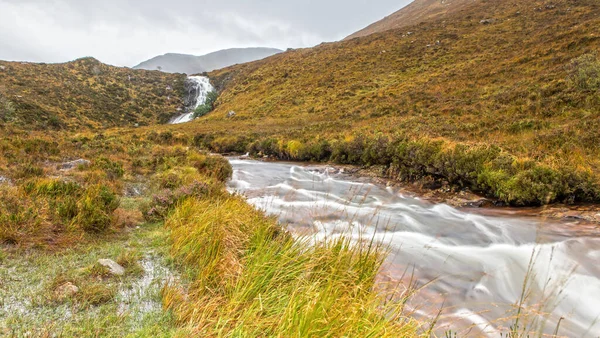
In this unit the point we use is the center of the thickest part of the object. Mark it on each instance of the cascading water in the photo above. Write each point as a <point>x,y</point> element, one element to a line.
<point>198,88</point>
<point>480,269</point>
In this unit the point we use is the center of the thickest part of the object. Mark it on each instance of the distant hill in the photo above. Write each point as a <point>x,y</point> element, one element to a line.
<point>415,13</point>
<point>85,94</point>
<point>191,64</point>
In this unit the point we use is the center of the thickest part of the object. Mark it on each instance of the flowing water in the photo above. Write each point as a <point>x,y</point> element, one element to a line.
<point>471,269</point>
<point>198,89</point>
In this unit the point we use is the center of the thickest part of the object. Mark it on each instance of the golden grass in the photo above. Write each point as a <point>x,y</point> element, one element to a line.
<point>250,278</point>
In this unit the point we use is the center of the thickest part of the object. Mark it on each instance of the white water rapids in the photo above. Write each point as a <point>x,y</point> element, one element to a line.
<point>477,268</point>
<point>200,87</point>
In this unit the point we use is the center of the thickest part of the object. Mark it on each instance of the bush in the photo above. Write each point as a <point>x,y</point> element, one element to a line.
<point>207,106</point>
<point>585,72</point>
<point>7,110</point>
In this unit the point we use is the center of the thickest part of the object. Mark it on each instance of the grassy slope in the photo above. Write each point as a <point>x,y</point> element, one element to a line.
<point>85,94</point>
<point>505,84</point>
<point>414,13</point>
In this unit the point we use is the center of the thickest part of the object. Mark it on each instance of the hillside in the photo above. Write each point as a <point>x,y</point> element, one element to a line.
<point>416,12</point>
<point>190,64</point>
<point>85,93</point>
<point>520,90</point>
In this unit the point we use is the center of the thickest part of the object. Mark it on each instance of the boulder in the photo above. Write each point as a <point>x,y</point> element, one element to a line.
<point>74,164</point>
<point>113,267</point>
<point>231,114</point>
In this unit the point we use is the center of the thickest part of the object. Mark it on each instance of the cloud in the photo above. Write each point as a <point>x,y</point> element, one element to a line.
<point>125,32</point>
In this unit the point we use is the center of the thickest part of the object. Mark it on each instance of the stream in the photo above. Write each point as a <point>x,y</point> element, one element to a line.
<point>475,273</point>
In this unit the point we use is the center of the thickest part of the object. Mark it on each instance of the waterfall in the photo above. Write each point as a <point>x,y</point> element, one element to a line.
<point>197,88</point>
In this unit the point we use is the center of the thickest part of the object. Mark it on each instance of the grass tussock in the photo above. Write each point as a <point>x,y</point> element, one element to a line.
<point>250,278</point>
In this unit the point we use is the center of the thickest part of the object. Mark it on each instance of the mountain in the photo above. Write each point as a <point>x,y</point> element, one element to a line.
<point>415,13</point>
<point>85,94</point>
<point>511,85</point>
<point>190,64</point>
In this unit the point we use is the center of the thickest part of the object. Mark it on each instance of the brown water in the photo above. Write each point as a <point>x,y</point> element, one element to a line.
<point>472,269</point>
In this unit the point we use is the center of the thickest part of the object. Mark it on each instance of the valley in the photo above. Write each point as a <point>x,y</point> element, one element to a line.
<point>434,174</point>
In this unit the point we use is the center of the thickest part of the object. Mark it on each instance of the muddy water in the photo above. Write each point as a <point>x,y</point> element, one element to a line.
<point>478,273</point>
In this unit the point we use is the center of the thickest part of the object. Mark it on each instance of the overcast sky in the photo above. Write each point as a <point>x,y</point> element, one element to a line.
<point>126,32</point>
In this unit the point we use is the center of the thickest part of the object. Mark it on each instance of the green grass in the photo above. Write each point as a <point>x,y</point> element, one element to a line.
<point>105,305</point>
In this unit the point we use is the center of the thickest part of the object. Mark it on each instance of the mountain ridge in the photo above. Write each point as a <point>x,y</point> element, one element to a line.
<point>192,64</point>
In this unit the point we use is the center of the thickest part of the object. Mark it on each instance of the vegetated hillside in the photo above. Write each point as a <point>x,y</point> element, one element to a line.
<point>191,64</point>
<point>85,93</point>
<point>416,12</point>
<point>509,107</point>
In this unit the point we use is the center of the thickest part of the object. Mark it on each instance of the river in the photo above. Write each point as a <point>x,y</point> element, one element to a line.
<point>471,269</point>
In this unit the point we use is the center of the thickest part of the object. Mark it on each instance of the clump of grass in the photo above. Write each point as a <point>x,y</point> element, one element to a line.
<point>28,170</point>
<point>166,200</point>
<point>130,260</point>
<point>211,166</point>
<point>96,293</point>
<point>95,209</point>
<point>113,169</point>
<point>250,278</point>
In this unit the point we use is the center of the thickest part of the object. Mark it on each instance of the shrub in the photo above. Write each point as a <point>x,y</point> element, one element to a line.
<point>208,105</point>
<point>7,109</point>
<point>585,72</point>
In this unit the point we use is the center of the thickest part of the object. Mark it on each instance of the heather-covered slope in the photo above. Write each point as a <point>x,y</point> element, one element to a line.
<point>523,82</point>
<point>85,94</point>
<point>415,13</point>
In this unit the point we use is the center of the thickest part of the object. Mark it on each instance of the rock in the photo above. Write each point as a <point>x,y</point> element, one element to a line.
<point>486,21</point>
<point>113,266</point>
<point>66,290</point>
<point>2,68</point>
<point>74,164</point>
<point>231,114</point>
<point>4,180</point>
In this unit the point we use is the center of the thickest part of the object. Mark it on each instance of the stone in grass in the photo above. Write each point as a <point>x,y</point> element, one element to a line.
<point>112,266</point>
<point>74,164</point>
<point>66,290</point>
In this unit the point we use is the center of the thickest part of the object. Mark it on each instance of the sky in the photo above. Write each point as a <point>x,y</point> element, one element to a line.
<point>127,32</point>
